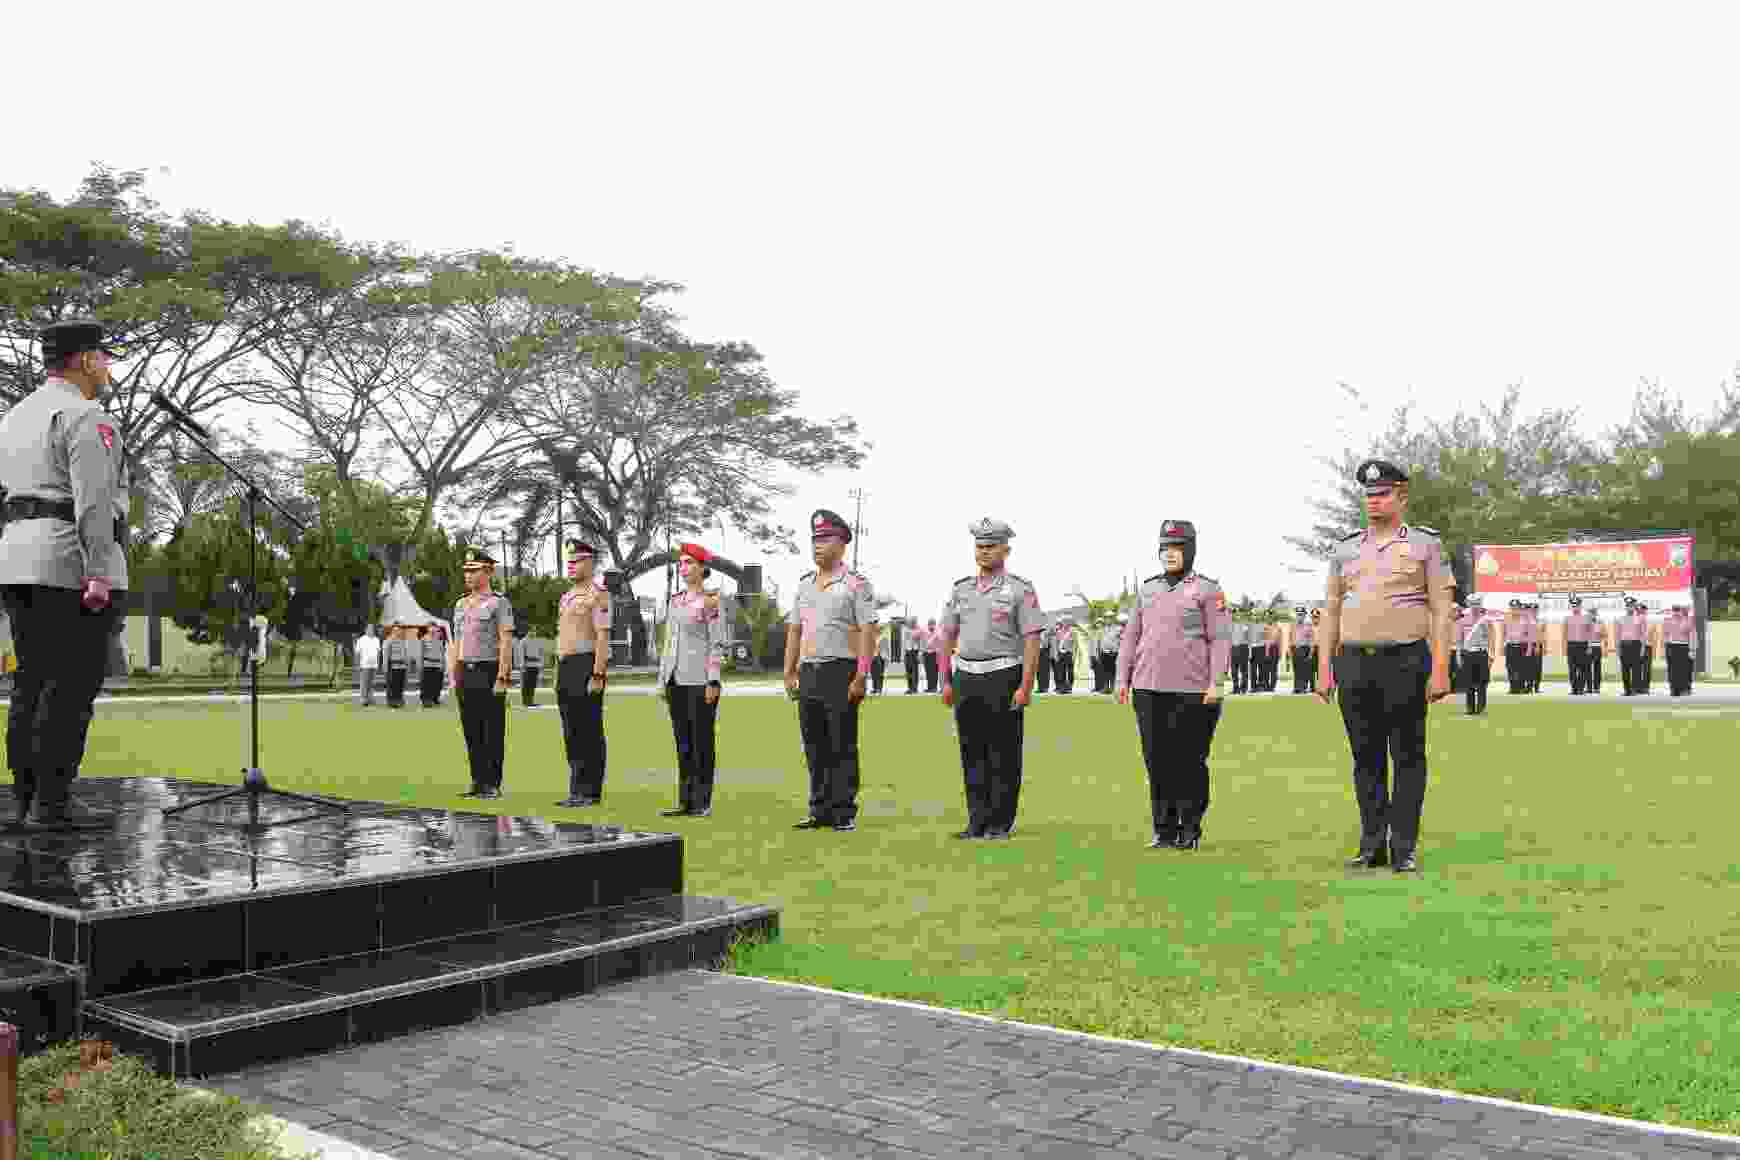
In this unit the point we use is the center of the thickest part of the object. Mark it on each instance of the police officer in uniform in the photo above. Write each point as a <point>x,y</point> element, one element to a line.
<point>1630,630</point>
<point>1599,645</point>
<point>1677,643</point>
<point>1511,631</point>
<point>995,618</point>
<point>531,667</point>
<point>1106,668</point>
<point>63,566</point>
<point>828,647</point>
<point>1578,628</point>
<point>1241,653</point>
<point>1475,639</point>
<point>912,640</point>
<point>1174,652</point>
<point>691,669</point>
<point>1388,600</point>
<point>582,666</point>
<point>1304,635</point>
<point>1063,644</point>
<point>929,658</point>
<point>479,659</point>
<point>1537,646</point>
<point>434,657</point>
<point>398,666</point>
<point>1651,639</point>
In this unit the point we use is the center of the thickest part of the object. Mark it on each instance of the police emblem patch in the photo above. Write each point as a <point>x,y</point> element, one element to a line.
<point>1220,600</point>
<point>107,434</point>
<point>1371,474</point>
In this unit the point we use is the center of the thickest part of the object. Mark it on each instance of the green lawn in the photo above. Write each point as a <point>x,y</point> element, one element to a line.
<point>1573,940</point>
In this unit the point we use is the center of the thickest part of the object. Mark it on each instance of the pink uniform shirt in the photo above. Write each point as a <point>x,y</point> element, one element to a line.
<point>1179,640</point>
<point>1677,629</point>
<point>1382,593</point>
<point>1579,629</point>
<point>1633,626</point>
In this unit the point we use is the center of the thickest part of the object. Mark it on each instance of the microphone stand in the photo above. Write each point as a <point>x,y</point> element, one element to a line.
<point>254,785</point>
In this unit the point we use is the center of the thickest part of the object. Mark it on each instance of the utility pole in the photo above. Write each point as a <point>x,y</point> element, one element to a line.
<point>857,493</point>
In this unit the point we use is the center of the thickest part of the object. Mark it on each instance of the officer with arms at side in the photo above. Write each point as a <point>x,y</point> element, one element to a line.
<point>994,616</point>
<point>1476,638</point>
<point>1304,637</point>
<point>582,666</point>
<point>828,648</point>
<point>1678,634</point>
<point>1386,625</point>
<point>63,566</point>
<point>479,659</point>
<point>1174,652</point>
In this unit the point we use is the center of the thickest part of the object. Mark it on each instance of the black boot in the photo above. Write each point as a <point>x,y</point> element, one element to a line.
<point>576,798</point>
<point>54,815</point>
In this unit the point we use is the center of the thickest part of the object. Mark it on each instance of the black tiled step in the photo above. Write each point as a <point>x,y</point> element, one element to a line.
<point>217,1025</point>
<point>39,998</point>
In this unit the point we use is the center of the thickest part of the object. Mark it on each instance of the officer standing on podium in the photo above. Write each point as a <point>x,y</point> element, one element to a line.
<point>995,616</point>
<point>63,566</point>
<point>1386,625</point>
<point>479,659</point>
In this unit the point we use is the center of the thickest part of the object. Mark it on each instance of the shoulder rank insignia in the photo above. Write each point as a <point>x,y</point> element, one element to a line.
<point>1154,577</point>
<point>961,581</point>
<point>1353,535</point>
<point>807,576</point>
<point>1428,531</point>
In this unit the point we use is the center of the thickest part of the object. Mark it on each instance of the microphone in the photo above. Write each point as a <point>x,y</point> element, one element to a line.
<point>159,400</point>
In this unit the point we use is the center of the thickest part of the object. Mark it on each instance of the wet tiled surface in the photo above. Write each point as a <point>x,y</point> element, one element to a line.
<point>698,1066</point>
<point>149,859</point>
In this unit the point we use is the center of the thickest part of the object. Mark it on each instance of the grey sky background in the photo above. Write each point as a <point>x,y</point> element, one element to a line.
<point>1082,267</point>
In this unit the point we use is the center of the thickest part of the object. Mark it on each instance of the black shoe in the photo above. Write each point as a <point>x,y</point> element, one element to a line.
<point>574,803</point>
<point>970,834</point>
<point>678,812</point>
<point>61,820</point>
<point>473,792</point>
<point>490,794</point>
<point>1370,859</point>
<point>811,824</point>
<point>1164,840</point>
<point>845,826</point>
<point>997,835</point>
<point>1187,841</point>
<point>702,813</point>
<point>1407,863</point>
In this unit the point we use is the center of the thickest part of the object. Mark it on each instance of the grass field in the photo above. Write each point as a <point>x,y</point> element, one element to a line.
<point>1573,939</point>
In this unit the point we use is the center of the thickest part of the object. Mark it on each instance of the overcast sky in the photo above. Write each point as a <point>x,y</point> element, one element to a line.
<point>1082,268</point>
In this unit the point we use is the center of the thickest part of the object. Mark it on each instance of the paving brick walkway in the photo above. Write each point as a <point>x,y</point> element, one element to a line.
<point>697,1065</point>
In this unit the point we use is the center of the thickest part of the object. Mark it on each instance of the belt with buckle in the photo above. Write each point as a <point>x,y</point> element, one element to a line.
<point>1381,649</point>
<point>987,665</point>
<point>34,508</point>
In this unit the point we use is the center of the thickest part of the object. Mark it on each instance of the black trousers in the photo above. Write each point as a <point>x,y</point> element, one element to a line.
<point>1537,665</point>
<point>1679,667</point>
<point>929,671</point>
<point>1648,668</point>
<point>878,669</point>
<point>582,716</point>
<point>1513,663</point>
<point>1383,706</point>
<point>1302,672</point>
<point>483,719</point>
<point>62,649</point>
<point>991,735</point>
<point>1455,670</point>
<point>1631,666</point>
<point>529,682</point>
<point>692,727</point>
<point>1064,675</point>
<point>828,723</point>
<point>1577,664</point>
<point>1241,668</point>
<point>1176,730</point>
<point>1476,674</point>
<point>429,687</point>
<point>1042,677</point>
<point>1594,668</point>
<point>396,679</point>
<point>912,670</point>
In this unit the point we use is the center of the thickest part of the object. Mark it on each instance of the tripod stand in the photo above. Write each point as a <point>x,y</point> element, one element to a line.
<point>254,785</point>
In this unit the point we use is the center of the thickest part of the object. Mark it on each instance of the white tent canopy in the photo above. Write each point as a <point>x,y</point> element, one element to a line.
<point>402,608</point>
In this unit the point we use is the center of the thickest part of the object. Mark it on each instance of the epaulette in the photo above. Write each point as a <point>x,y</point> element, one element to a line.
<point>1154,577</point>
<point>1023,579</point>
<point>806,576</point>
<point>1353,535</point>
<point>1428,531</point>
<point>961,581</point>
<point>1206,579</point>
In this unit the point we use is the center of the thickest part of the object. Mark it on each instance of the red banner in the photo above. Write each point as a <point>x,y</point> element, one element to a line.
<point>1659,572</point>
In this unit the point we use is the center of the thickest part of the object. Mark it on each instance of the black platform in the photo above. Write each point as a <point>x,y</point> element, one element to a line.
<point>206,949</point>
